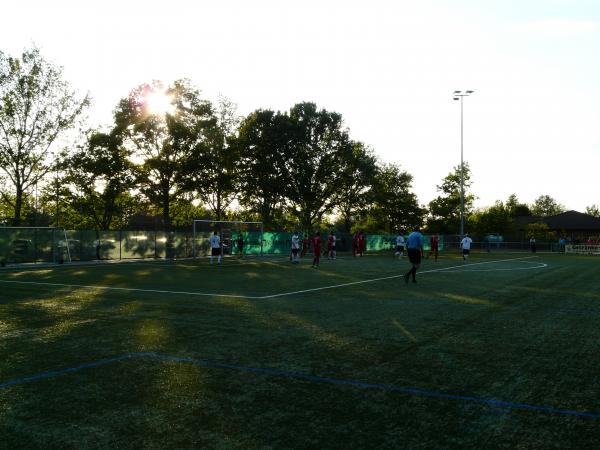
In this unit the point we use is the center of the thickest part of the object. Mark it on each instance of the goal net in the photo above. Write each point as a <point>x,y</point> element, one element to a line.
<point>229,232</point>
<point>583,249</point>
<point>34,245</point>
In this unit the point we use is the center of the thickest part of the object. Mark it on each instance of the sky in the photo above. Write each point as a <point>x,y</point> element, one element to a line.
<point>532,126</point>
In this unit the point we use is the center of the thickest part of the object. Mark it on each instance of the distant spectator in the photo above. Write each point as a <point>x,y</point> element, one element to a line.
<point>532,244</point>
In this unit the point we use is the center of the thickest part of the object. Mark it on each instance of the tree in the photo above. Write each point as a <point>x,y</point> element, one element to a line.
<point>516,208</point>
<point>394,207</point>
<point>359,177</point>
<point>593,210</point>
<point>540,230</point>
<point>495,219</point>
<point>316,160</point>
<point>165,129</point>
<point>101,175</point>
<point>444,210</point>
<point>262,142</point>
<point>545,206</point>
<point>38,107</point>
<point>219,181</point>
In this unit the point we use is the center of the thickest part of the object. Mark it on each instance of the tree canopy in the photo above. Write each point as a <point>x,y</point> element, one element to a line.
<point>38,107</point>
<point>545,205</point>
<point>444,210</point>
<point>170,156</point>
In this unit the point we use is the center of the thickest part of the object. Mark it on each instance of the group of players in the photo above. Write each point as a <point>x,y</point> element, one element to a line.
<point>300,247</point>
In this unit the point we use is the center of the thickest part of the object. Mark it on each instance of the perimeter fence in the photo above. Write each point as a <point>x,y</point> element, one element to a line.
<point>59,245</point>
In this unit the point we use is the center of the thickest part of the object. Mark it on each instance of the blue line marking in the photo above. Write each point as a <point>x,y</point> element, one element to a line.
<point>302,376</point>
<point>56,373</point>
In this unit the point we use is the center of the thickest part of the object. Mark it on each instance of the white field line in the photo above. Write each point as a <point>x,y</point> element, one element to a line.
<point>390,277</point>
<point>112,288</point>
<point>538,266</point>
<point>204,294</point>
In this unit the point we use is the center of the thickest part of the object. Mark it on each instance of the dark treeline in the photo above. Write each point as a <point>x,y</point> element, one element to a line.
<point>170,156</point>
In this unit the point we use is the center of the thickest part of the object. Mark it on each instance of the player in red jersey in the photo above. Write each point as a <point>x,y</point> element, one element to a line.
<point>355,244</point>
<point>434,244</point>
<point>362,243</point>
<point>316,244</point>
<point>305,245</point>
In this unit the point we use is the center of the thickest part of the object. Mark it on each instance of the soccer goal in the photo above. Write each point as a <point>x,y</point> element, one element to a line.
<point>251,242</point>
<point>583,249</point>
<point>34,245</point>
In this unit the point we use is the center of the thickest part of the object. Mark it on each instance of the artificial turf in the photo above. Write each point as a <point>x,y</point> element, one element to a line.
<point>286,371</point>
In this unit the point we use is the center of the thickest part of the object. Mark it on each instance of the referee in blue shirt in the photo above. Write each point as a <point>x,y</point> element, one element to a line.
<point>415,251</point>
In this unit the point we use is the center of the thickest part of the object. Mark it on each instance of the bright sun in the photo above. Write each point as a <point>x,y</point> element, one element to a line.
<point>159,103</point>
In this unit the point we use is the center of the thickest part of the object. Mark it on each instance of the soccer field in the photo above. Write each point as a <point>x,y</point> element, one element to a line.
<point>501,352</point>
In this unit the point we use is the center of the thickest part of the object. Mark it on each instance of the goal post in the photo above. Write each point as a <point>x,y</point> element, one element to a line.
<point>34,245</point>
<point>229,231</point>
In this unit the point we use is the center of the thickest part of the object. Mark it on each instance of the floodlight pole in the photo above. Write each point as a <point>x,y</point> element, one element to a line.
<point>460,95</point>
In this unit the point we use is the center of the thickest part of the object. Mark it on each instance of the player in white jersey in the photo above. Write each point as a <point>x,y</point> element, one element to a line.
<point>465,244</point>
<point>295,248</point>
<point>215,247</point>
<point>399,245</point>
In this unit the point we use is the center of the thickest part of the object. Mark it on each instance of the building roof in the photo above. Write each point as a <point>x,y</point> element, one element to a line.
<point>570,220</point>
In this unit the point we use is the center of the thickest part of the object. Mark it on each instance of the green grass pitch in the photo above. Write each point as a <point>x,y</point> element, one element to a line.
<point>502,352</point>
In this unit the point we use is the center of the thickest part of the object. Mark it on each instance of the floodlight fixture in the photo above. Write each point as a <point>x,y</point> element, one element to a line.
<point>459,95</point>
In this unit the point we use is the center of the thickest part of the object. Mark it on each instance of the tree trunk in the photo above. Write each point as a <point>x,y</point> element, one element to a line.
<point>166,210</point>
<point>218,211</point>
<point>18,206</point>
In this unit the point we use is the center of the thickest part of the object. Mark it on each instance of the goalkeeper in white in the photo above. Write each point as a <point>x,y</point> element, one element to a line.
<point>215,247</point>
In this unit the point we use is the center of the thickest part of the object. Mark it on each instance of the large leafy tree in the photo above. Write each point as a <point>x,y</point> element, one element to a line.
<point>359,176</point>
<point>317,159</point>
<point>394,207</point>
<point>165,129</point>
<point>101,175</point>
<point>545,206</point>
<point>494,219</point>
<point>263,144</point>
<point>217,178</point>
<point>37,108</point>
<point>516,208</point>
<point>444,210</point>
